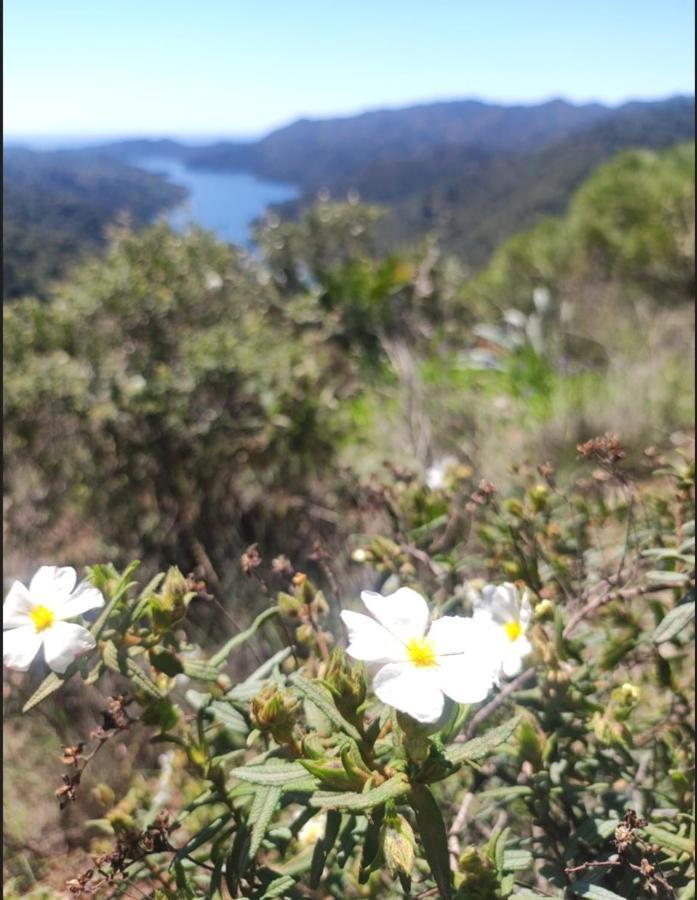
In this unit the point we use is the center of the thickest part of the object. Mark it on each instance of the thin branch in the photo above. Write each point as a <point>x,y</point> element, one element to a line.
<point>483,714</point>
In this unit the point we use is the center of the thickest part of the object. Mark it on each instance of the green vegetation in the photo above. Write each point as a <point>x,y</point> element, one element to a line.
<point>324,417</point>
<point>57,208</point>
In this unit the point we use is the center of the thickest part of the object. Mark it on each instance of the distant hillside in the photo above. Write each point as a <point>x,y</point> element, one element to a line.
<point>473,201</point>
<point>319,153</point>
<point>57,206</point>
<point>471,172</point>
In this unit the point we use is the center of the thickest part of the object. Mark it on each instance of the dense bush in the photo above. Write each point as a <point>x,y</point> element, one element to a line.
<point>576,779</point>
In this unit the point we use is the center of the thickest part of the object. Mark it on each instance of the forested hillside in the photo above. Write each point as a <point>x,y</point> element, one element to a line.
<point>58,206</point>
<point>467,172</point>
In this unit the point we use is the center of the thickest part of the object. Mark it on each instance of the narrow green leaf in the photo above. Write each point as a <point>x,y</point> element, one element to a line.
<point>322,699</point>
<point>323,847</point>
<point>480,747</point>
<point>275,773</point>
<point>674,622</point>
<point>672,579</point>
<point>513,860</point>
<point>166,661</point>
<point>200,669</point>
<point>221,656</point>
<point>279,887</point>
<point>228,716</point>
<point>434,839</point>
<point>670,840</point>
<point>208,833</point>
<point>393,787</point>
<point>50,684</point>
<point>266,799</point>
<point>138,678</point>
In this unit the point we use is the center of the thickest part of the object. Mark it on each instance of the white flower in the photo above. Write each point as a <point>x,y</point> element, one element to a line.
<point>508,615</point>
<point>424,660</point>
<point>36,616</point>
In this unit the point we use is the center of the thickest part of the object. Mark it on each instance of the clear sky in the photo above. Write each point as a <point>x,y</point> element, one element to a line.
<point>242,67</point>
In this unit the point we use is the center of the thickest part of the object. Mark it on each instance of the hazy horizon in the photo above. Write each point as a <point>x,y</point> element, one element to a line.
<point>72,140</point>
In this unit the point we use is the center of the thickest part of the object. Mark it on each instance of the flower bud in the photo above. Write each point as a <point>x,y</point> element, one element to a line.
<point>319,605</point>
<point>478,876</point>
<point>360,555</point>
<point>398,844</point>
<point>346,682</point>
<point>273,712</point>
<point>304,633</point>
<point>544,611</point>
<point>104,795</point>
<point>539,495</point>
<point>289,605</point>
<point>627,695</point>
<point>169,606</point>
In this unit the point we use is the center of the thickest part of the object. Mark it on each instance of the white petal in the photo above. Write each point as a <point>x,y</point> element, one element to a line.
<point>20,646</point>
<point>501,601</point>
<point>454,634</point>
<point>512,661</point>
<point>410,690</point>
<point>64,642</point>
<point>84,598</point>
<point>51,585</point>
<point>467,677</point>
<point>17,606</point>
<point>404,613</point>
<point>369,641</point>
<point>525,610</point>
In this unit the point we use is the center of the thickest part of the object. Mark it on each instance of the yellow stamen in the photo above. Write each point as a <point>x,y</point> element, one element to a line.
<point>513,630</point>
<point>42,617</point>
<point>422,652</point>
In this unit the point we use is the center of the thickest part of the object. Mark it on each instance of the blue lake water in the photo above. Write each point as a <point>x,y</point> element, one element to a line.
<point>226,203</point>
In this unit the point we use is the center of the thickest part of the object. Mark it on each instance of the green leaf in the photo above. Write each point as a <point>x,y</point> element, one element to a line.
<point>100,576</point>
<point>324,846</point>
<point>673,579</point>
<point>266,799</point>
<point>119,661</point>
<point>330,773</point>
<point>480,747</point>
<point>434,838</point>
<point>674,622</point>
<point>162,713</point>
<point>688,892</point>
<point>50,684</point>
<point>513,860</point>
<point>393,787</point>
<point>322,699</point>
<point>206,834</point>
<point>221,656</point>
<point>670,840</point>
<point>227,715</point>
<point>165,661</point>
<point>275,773</point>
<point>278,887</point>
<point>200,670</point>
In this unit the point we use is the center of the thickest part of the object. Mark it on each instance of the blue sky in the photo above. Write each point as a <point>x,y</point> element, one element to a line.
<point>226,67</point>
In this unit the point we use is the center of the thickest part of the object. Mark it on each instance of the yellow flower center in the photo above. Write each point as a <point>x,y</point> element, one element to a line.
<point>513,630</point>
<point>422,653</point>
<point>42,617</point>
